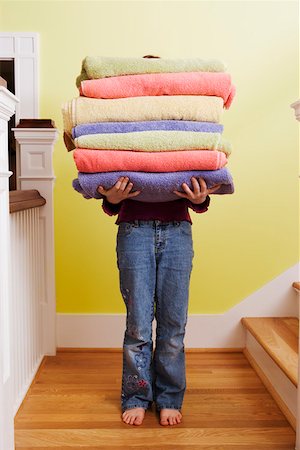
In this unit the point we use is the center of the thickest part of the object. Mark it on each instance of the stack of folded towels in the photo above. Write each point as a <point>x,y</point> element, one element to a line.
<point>156,121</point>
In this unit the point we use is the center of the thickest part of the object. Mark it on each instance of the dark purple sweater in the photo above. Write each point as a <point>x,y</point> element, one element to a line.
<point>130,210</point>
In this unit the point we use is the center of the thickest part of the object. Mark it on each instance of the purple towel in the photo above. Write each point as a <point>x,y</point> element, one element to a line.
<point>127,127</point>
<point>155,187</point>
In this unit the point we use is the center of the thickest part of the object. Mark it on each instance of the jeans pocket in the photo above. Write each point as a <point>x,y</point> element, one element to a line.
<point>125,229</point>
<point>186,228</point>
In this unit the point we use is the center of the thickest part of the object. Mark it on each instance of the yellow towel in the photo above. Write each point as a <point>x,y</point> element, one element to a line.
<point>179,107</point>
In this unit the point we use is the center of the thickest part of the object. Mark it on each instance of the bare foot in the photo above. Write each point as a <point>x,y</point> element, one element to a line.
<point>170,417</point>
<point>134,416</point>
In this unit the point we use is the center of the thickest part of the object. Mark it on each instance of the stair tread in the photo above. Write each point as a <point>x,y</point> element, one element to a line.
<point>279,337</point>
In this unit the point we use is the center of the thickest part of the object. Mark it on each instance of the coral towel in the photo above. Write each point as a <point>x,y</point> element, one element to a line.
<point>189,83</point>
<point>111,161</point>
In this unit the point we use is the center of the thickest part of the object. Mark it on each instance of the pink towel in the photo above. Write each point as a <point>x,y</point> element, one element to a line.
<point>110,161</point>
<point>190,83</point>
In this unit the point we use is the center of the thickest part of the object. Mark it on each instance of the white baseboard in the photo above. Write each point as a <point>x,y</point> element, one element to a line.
<point>276,298</point>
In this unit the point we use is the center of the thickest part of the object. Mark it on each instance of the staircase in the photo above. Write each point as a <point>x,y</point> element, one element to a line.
<point>272,347</point>
<point>272,350</point>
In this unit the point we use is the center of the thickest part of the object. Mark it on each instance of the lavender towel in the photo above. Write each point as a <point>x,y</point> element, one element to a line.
<point>155,187</point>
<point>127,127</point>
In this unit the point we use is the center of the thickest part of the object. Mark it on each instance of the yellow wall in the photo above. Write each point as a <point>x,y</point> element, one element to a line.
<point>245,239</point>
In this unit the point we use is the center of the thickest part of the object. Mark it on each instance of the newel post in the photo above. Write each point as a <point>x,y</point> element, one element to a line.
<point>36,139</point>
<point>7,109</point>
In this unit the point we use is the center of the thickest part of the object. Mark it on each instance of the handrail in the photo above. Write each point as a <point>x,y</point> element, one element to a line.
<point>26,199</point>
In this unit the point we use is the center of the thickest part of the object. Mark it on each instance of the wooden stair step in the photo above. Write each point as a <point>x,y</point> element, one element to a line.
<point>279,338</point>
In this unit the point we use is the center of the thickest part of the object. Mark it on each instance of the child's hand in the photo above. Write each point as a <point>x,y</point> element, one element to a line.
<point>120,191</point>
<point>199,193</point>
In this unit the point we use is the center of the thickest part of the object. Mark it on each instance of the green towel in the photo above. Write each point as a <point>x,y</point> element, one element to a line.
<point>94,67</point>
<point>155,141</point>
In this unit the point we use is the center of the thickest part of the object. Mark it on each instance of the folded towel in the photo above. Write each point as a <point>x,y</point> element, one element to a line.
<point>189,83</point>
<point>179,107</point>
<point>155,141</point>
<point>94,67</point>
<point>110,161</point>
<point>155,187</point>
<point>128,127</point>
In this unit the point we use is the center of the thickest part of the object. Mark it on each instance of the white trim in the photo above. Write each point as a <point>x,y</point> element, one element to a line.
<point>6,174</point>
<point>8,104</point>
<point>276,298</point>
<point>36,172</point>
<point>280,382</point>
<point>23,48</point>
<point>37,178</point>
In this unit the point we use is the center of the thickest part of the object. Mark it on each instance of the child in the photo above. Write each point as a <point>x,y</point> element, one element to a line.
<point>154,253</point>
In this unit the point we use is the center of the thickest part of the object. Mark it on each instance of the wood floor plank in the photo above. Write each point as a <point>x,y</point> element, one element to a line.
<point>182,447</point>
<point>74,403</point>
<point>175,436</point>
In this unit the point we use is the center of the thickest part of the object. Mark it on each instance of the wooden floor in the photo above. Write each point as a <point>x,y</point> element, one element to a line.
<point>74,403</point>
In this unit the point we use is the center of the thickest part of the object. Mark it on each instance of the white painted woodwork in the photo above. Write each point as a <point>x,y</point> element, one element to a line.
<point>8,104</point>
<point>27,267</point>
<point>280,382</point>
<point>23,49</point>
<point>36,172</point>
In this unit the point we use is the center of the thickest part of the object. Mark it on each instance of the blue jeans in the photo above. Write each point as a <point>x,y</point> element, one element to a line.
<point>155,262</point>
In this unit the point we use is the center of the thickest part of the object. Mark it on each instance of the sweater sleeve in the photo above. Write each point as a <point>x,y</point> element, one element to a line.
<point>199,208</point>
<point>110,208</point>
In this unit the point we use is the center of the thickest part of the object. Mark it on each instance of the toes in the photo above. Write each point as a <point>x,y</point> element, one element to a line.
<point>138,421</point>
<point>164,421</point>
<point>131,420</point>
<point>171,419</point>
<point>132,417</point>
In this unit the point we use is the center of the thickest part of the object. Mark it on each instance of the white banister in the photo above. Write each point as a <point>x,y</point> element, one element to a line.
<point>7,109</point>
<point>36,172</point>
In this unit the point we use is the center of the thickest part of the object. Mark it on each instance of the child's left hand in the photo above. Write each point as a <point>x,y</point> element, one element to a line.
<point>199,193</point>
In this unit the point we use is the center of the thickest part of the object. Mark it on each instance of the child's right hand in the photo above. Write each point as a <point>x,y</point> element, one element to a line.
<point>120,191</point>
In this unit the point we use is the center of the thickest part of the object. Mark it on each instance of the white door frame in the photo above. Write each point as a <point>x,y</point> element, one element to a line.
<point>23,48</point>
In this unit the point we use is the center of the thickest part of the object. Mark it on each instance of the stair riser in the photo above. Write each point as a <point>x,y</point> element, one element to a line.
<point>280,387</point>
